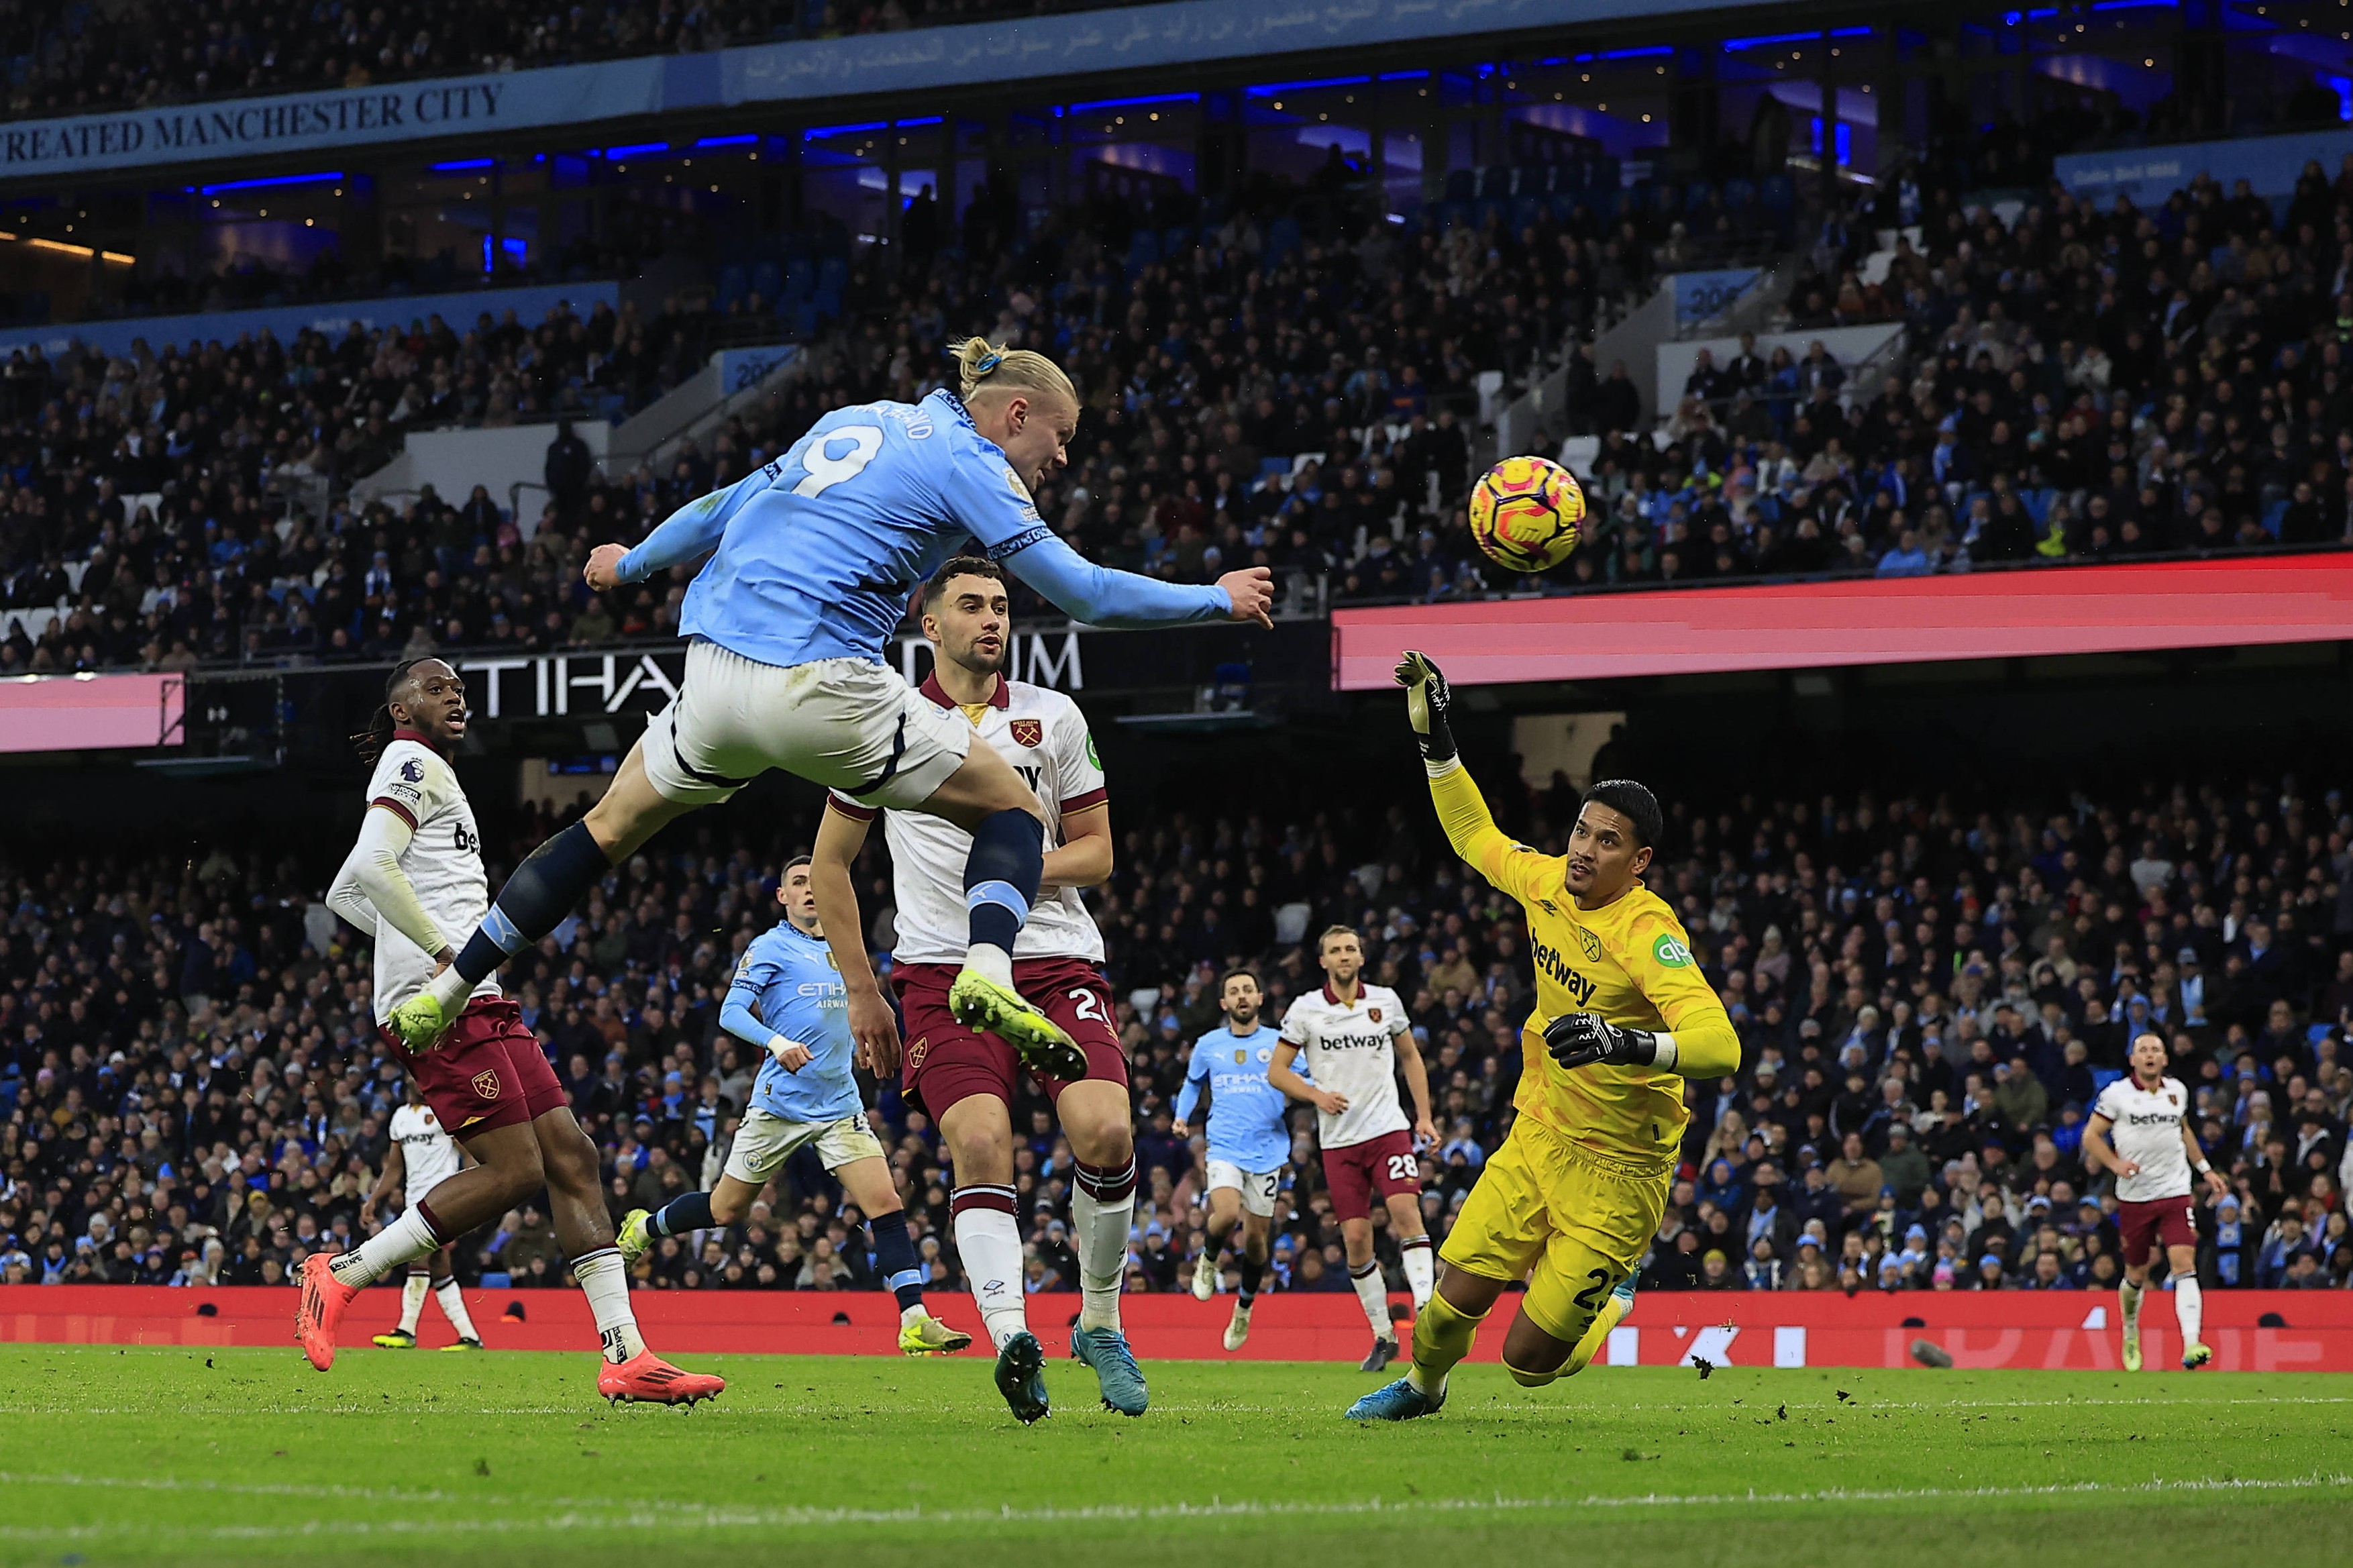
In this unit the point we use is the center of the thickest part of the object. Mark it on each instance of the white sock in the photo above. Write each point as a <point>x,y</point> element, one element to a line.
<point>413,1291</point>
<point>992,961</point>
<point>605,1281</point>
<point>1373,1295</point>
<point>404,1240</point>
<point>450,989</point>
<point>1420,1271</point>
<point>453,1307</point>
<point>989,1244</point>
<point>1103,1207</point>
<point>2188,1307</point>
<point>2129,1300</point>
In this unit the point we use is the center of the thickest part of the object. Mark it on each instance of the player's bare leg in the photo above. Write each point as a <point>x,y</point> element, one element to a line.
<point>1255,1229</point>
<point>1442,1332</point>
<point>1096,1118</point>
<point>1372,1291</point>
<point>988,800</point>
<point>541,891</point>
<point>630,1372</point>
<point>507,1171</point>
<point>1225,1213</point>
<point>979,1130</point>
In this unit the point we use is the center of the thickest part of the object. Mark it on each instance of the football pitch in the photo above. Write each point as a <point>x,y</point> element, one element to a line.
<point>246,1456</point>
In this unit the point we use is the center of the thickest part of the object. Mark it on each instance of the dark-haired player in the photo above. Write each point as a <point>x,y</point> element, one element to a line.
<point>1354,1036</point>
<point>415,877</point>
<point>963,1074</point>
<point>1572,1199</point>
<point>1249,1143</point>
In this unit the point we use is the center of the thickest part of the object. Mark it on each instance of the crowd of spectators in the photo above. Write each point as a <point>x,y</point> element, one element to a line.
<point>2085,385</point>
<point>192,1090</point>
<point>69,57</point>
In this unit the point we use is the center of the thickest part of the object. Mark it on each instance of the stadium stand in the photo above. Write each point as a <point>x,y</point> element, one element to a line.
<point>2042,421</point>
<point>1930,995</point>
<point>67,58</point>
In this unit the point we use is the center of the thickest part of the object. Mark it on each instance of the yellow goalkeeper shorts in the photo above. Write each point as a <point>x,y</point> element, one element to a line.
<point>1570,1222</point>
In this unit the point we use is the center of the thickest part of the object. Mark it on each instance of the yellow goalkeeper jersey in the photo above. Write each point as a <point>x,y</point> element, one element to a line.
<point>1629,962</point>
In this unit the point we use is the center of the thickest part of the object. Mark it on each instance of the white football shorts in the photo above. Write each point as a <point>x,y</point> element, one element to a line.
<point>845,723</point>
<point>1257,1188</point>
<point>765,1141</point>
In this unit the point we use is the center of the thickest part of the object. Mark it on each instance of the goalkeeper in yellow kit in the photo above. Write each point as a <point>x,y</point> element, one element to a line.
<point>1572,1199</point>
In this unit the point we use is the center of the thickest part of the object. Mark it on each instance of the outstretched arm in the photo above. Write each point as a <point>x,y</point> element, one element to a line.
<point>839,836</point>
<point>1512,867</point>
<point>687,534</point>
<point>1104,596</point>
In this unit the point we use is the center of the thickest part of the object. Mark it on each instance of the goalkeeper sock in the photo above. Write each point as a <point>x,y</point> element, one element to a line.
<point>1442,1332</point>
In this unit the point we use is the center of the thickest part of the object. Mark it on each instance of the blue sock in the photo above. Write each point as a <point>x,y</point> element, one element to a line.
<point>894,1258</point>
<point>688,1211</point>
<point>551,878</point>
<point>1000,875</point>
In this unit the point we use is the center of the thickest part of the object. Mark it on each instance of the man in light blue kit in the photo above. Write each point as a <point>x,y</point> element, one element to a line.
<point>788,999</point>
<point>816,555</point>
<point>1249,1141</point>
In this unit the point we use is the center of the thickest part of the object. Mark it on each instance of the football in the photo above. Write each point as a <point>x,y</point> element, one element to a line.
<point>1527,513</point>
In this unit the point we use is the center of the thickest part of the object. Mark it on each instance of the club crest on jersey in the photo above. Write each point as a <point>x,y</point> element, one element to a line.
<point>1590,944</point>
<point>1027,731</point>
<point>486,1084</point>
<point>413,770</point>
<point>1265,1054</point>
<point>1373,1014</point>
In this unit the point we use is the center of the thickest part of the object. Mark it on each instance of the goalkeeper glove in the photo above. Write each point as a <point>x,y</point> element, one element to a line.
<point>1581,1040</point>
<point>1427,699</point>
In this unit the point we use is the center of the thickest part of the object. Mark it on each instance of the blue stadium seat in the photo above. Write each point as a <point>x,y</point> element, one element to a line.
<point>732,286</point>
<point>800,279</point>
<point>1175,239</point>
<point>767,282</point>
<point>1778,195</point>
<point>1695,195</point>
<point>1143,251</point>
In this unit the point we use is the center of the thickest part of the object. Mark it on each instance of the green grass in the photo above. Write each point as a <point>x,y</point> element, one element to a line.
<point>111,1456</point>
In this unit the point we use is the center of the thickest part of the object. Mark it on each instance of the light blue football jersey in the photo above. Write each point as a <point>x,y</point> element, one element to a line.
<point>790,980</point>
<point>819,553</point>
<point>1246,1112</point>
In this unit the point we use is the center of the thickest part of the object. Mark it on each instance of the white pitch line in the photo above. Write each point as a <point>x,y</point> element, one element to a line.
<point>696,1517</point>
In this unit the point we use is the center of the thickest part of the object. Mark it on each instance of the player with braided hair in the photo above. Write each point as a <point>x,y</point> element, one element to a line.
<point>415,875</point>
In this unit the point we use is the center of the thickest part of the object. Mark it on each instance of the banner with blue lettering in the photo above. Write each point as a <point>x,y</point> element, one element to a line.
<point>576,97</point>
<point>1700,296</point>
<point>2269,164</point>
<point>530,306</point>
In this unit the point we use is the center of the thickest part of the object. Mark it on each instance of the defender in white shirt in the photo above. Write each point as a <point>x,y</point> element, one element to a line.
<point>415,876</point>
<point>2140,1131</point>
<point>1356,1036</point>
<point>963,1075</point>
<point>422,1156</point>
